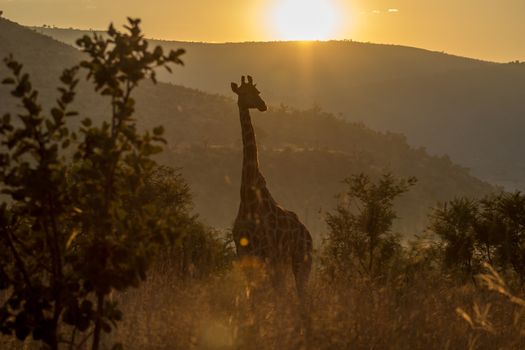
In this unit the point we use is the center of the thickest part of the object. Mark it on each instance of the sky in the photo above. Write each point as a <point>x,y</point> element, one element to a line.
<point>486,29</point>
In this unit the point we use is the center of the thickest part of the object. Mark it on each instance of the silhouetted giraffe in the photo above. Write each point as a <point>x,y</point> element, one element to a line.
<point>262,228</point>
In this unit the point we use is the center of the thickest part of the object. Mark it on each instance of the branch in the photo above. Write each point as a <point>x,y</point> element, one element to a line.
<point>83,341</point>
<point>19,262</point>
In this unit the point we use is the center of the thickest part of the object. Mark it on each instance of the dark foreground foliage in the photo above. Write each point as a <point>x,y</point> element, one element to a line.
<point>424,309</point>
<point>76,222</point>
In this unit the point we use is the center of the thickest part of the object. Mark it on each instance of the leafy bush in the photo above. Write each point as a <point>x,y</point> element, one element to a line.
<point>71,231</point>
<point>490,230</point>
<point>196,251</point>
<point>360,237</point>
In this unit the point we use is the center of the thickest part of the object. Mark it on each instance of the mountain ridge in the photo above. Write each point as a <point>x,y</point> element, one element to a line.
<point>69,36</point>
<point>305,154</point>
<point>466,108</point>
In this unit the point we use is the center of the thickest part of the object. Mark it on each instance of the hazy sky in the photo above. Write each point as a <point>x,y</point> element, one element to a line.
<point>488,29</point>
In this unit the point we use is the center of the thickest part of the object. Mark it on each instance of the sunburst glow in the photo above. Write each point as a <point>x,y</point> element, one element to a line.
<point>305,19</point>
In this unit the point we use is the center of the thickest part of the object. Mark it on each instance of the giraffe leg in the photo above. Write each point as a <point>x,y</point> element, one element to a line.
<point>276,273</point>
<point>302,263</point>
<point>301,266</point>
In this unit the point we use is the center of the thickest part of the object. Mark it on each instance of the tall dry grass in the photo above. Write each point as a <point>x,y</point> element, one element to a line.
<point>240,310</point>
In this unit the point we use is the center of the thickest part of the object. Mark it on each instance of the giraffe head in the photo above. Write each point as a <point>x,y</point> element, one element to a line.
<point>249,96</point>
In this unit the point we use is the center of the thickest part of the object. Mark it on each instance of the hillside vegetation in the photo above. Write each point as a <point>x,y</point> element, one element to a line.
<point>305,154</point>
<point>469,109</point>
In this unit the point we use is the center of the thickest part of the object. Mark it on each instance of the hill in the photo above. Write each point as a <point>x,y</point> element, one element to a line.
<point>305,154</point>
<point>469,109</point>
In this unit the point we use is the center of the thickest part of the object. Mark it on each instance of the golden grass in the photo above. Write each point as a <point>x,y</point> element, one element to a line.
<point>236,312</point>
<point>242,311</point>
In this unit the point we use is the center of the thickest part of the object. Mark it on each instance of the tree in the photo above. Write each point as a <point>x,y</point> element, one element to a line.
<point>69,231</point>
<point>490,230</point>
<point>455,224</point>
<point>198,251</point>
<point>509,212</point>
<point>360,230</point>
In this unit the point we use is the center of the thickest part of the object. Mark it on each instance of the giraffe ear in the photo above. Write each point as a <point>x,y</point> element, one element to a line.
<point>235,88</point>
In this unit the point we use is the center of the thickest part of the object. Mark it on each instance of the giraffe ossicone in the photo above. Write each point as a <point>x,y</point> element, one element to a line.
<point>263,229</point>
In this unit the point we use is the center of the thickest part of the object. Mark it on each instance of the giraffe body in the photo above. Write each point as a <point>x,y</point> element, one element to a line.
<point>263,229</point>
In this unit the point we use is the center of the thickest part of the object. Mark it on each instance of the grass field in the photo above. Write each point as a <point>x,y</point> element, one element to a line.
<point>239,310</point>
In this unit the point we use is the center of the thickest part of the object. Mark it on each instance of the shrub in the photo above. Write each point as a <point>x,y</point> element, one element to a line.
<point>359,237</point>
<point>70,230</point>
<point>490,230</point>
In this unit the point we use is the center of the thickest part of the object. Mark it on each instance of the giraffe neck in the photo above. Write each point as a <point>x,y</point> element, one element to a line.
<point>250,162</point>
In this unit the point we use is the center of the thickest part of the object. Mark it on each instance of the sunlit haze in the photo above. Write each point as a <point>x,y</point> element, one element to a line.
<point>483,29</point>
<point>305,19</point>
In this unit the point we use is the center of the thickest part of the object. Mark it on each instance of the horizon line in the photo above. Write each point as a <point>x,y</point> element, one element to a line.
<point>53,27</point>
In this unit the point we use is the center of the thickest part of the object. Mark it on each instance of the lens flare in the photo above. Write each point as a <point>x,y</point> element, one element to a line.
<point>244,242</point>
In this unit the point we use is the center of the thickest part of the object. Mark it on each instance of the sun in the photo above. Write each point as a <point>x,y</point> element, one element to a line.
<point>305,19</point>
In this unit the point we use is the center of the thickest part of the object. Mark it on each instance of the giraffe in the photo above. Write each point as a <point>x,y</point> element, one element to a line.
<point>263,229</point>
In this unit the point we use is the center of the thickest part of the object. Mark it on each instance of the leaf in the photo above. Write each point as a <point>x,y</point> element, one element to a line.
<point>6,119</point>
<point>464,316</point>
<point>57,113</point>
<point>8,81</point>
<point>158,131</point>
<point>86,122</point>
<point>72,236</point>
<point>71,114</point>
